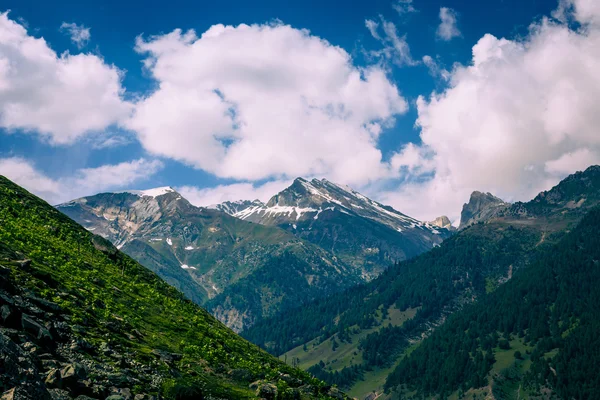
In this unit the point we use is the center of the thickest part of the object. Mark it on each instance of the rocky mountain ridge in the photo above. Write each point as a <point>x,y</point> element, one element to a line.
<point>305,200</point>
<point>234,207</point>
<point>363,233</point>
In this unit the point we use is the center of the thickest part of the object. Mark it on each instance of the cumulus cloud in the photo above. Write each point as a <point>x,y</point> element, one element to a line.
<point>403,7</point>
<point>582,11</point>
<point>23,173</point>
<point>395,47</point>
<point>62,97</point>
<point>83,182</point>
<point>448,29</point>
<point>79,34</point>
<point>518,119</point>
<point>261,101</point>
<point>237,191</point>
<point>116,175</point>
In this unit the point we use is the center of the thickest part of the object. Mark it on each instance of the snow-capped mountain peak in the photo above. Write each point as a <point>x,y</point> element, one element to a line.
<point>308,200</point>
<point>155,192</point>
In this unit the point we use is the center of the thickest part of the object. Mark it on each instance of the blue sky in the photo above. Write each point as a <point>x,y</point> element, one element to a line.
<point>57,164</point>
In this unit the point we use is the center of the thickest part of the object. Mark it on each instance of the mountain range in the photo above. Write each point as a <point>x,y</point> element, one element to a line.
<point>506,307</point>
<point>362,339</point>
<point>247,260</point>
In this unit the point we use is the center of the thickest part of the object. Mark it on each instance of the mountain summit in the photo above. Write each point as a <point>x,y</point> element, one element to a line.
<point>363,233</point>
<point>481,206</point>
<point>443,222</point>
<point>305,200</point>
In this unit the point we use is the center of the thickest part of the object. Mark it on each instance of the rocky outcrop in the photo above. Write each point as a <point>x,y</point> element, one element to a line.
<point>481,207</point>
<point>42,357</point>
<point>443,222</point>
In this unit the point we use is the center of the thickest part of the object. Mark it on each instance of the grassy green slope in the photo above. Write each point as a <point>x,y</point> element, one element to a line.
<point>108,296</point>
<point>348,353</point>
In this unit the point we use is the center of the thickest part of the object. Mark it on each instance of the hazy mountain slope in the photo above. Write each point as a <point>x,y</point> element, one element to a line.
<point>205,251</point>
<point>81,318</point>
<point>361,232</point>
<point>549,313</point>
<point>463,268</point>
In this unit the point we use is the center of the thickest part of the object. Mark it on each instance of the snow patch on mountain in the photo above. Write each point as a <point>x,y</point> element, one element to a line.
<point>233,207</point>
<point>293,212</point>
<point>160,191</point>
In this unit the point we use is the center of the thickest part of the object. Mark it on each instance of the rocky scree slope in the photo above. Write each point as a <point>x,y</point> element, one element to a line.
<point>205,253</point>
<point>80,319</point>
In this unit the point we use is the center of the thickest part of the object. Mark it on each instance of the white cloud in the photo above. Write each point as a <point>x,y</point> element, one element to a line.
<point>83,182</point>
<point>434,68</point>
<point>518,119</point>
<point>583,11</point>
<point>232,192</point>
<point>79,34</point>
<point>116,175</point>
<point>23,173</point>
<point>447,30</point>
<point>414,159</point>
<point>110,139</point>
<point>395,48</point>
<point>404,7</point>
<point>62,97</point>
<point>373,26</point>
<point>577,160</point>
<point>260,101</point>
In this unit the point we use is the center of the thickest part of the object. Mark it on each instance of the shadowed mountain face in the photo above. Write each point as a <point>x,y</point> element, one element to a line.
<point>265,258</point>
<point>359,231</point>
<point>80,319</point>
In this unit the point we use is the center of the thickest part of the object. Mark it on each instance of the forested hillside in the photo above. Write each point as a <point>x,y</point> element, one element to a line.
<point>551,309</point>
<point>461,270</point>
